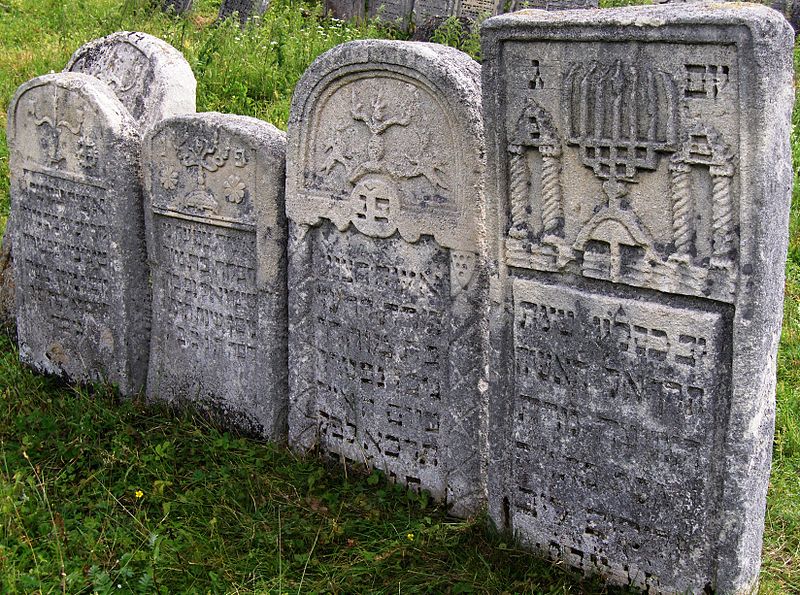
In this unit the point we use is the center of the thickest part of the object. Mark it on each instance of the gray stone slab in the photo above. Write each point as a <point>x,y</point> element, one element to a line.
<point>504,6</point>
<point>77,229</point>
<point>391,11</point>
<point>345,9</point>
<point>216,237</point>
<point>244,8</point>
<point>639,176</point>
<point>151,78</point>
<point>177,6</point>
<point>387,303</point>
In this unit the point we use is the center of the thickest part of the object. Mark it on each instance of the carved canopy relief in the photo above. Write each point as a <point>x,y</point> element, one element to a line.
<point>384,155</point>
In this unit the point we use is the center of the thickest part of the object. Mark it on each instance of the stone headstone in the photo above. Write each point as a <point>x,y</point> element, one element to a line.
<point>640,181</point>
<point>386,267</point>
<point>474,9</point>
<point>436,10</point>
<point>149,76</point>
<point>397,12</point>
<point>216,237</point>
<point>177,6</point>
<point>244,8</point>
<point>345,9</point>
<point>77,229</point>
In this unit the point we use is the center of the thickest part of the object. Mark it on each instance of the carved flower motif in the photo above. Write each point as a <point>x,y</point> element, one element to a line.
<point>234,189</point>
<point>169,179</point>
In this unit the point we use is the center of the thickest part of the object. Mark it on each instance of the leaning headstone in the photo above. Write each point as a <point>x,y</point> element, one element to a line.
<point>177,6</point>
<point>345,9</point>
<point>397,12</point>
<point>244,8</point>
<point>640,180</point>
<point>82,297</point>
<point>149,76</point>
<point>386,268</point>
<point>216,237</point>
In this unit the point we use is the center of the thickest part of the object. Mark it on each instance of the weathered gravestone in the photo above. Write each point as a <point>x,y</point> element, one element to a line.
<point>345,9</point>
<point>244,8</point>
<point>640,178</point>
<point>177,6</point>
<point>386,270</point>
<point>391,11</point>
<point>81,278</point>
<point>216,237</point>
<point>149,76</point>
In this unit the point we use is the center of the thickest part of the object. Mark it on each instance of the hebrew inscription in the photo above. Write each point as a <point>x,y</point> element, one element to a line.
<point>636,206</point>
<point>82,298</point>
<point>215,186</point>
<point>386,280</point>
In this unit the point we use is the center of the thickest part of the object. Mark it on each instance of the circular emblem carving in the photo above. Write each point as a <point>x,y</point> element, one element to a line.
<point>374,207</point>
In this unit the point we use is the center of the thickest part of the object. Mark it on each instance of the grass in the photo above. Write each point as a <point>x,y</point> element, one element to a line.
<point>102,496</point>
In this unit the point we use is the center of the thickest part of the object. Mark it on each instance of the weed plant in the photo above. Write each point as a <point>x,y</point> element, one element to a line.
<point>98,495</point>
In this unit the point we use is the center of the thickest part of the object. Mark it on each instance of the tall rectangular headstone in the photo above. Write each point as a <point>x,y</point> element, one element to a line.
<point>639,183</point>
<point>345,9</point>
<point>387,306</point>
<point>391,11</point>
<point>177,6</point>
<point>245,9</point>
<point>216,238</point>
<point>149,76</point>
<point>81,278</point>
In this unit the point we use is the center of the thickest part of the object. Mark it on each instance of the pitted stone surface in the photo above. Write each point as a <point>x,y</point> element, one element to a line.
<point>245,8</point>
<point>77,229</point>
<point>149,76</point>
<point>386,269</point>
<point>392,11</point>
<point>345,9</point>
<point>640,180</point>
<point>7,288</point>
<point>216,236</point>
<point>504,6</point>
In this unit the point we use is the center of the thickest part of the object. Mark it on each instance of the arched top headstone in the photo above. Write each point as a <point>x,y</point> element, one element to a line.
<point>82,295</point>
<point>399,119</point>
<point>149,76</point>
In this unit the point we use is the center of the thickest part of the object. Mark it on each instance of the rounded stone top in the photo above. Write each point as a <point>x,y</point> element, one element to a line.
<point>451,72</point>
<point>151,78</point>
<point>107,107</point>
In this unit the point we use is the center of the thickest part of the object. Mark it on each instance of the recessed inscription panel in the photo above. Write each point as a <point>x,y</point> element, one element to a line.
<point>618,407</point>
<point>64,267</point>
<point>381,341</point>
<point>215,234</point>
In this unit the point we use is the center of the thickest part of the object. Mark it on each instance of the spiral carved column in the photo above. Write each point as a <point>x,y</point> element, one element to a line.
<point>722,211</point>
<point>552,214</point>
<point>519,188</point>
<point>682,206</point>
